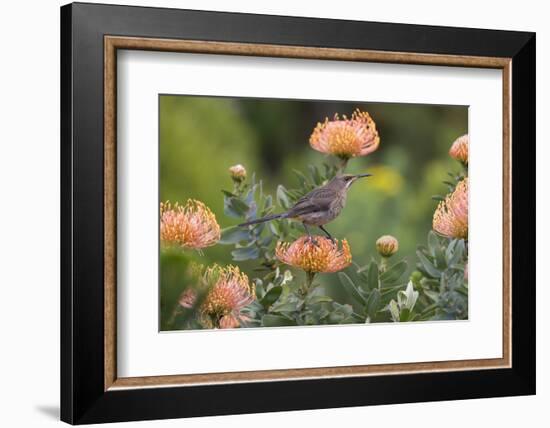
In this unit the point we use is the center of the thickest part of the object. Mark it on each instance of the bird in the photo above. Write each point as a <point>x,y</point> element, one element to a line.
<point>318,207</point>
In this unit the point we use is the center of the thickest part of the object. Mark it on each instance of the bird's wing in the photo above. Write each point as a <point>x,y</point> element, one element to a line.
<point>316,200</point>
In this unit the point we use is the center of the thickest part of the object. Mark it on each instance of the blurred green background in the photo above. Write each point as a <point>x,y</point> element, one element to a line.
<point>201,137</point>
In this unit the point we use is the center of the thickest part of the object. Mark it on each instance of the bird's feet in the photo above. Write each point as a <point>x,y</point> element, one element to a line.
<point>312,240</point>
<point>332,240</point>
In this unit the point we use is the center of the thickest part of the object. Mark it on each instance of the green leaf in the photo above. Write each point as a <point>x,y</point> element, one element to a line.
<point>315,175</point>
<point>270,320</point>
<point>229,194</point>
<point>265,241</point>
<point>260,291</point>
<point>229,210</point>
<point>428,311</point>
<point>284,227</point>
<point>302,178</point>
<point>404,315</point>
<point>434,295</point>
<point>318,299</point>
<point>373,303</point>
<point>294,194</point>
<point>340,313</point>
<point>428,266</point>
<point>394,310</point>
<point>271,296</point>
<point>252,193</point>
<point>282,198</point>
<point>440,258</point>
<point>458,253</point>
<point>351,288</point>
<point>450,250</point>
<point>286,307</point>
<point>394,273</point>
<point>234,207</point>
<point>268,204</point>
<point>274,228</point>
<point>239,205</point>
<point>387,291</point>
<point>372,276</point>
<point>233,235</point>
<point>247,253</point>
<point>433,242</point>
<point>435,249</point>
<point>257,229</point>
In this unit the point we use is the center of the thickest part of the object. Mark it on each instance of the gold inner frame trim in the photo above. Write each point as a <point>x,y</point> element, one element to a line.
<point>113,43</point>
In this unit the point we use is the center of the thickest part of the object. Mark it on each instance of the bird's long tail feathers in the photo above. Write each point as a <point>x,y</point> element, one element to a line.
<point>264,219</point>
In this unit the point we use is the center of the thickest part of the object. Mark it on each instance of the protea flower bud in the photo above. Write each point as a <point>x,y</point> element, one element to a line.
<point>316,254</point>
<point>191,226</point>
<point>238,173</point>
<point>459,149</point>
<point>387,245</point>
<point>345,137</point>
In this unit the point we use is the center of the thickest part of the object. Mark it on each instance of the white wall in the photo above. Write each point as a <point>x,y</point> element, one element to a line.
<point>29,230</point>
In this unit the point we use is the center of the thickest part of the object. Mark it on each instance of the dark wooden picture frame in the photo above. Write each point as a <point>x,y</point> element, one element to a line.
<point>90,389</point>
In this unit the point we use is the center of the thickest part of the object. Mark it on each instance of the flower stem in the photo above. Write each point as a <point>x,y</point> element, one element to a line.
<point>238,188</point>
<point>175,313</point>
<point>343,164</point>
<point>464,168</point>
<point>383,264</point>
<point>309,281</point>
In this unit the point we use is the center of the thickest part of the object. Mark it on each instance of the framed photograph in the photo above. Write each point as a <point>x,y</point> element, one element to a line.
<point>267,213</point>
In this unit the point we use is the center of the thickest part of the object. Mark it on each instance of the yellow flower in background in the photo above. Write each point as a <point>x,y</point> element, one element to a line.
<point>385,179</point>
<point>316,254</point>
<point>229,292</point>
<point>451,216</point>
<point>190,226</point>
<point>345,137</point>
<point>459,149</point>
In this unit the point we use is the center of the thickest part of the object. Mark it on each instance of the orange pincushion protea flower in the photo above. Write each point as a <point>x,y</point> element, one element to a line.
<point>229,292</point>
<point>189,226</point>
<point>459,149</point>
<point>451,216</point>
<point>345,137</point>
<point>316,254</point>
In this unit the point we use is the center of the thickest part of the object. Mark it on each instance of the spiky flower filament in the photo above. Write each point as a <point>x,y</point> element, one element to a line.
<point>228,291</point>
<point>346,138</point>
<point>315,254</point>
<point>451,216</point>
<point>190,226</point>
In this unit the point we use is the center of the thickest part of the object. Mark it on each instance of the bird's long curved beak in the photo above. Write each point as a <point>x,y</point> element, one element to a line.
<point>362,175</point>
